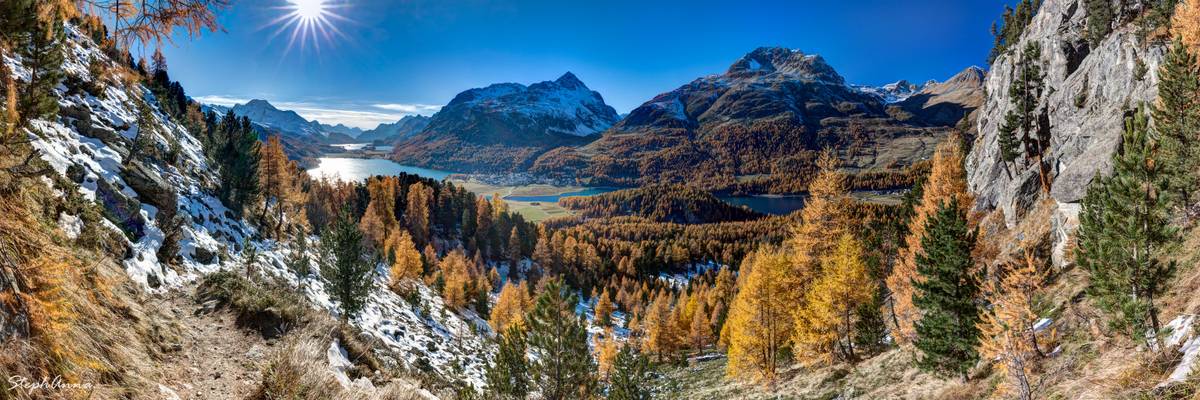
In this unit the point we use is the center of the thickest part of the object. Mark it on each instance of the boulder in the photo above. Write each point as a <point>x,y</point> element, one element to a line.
<point>203,255</point>
<point>149,185</point>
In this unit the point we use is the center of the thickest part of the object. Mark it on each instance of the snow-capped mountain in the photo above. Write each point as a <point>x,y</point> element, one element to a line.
<point>561,106</point>
<point>894,92</point>
<point>504,126</point>
<point>771,104</point>
<point>263,113</point>
<point>405,127</point>
<point>767,83</point>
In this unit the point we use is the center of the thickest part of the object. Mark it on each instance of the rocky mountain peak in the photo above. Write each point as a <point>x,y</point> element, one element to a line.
<point>780,60</point>
<point>570,81</point>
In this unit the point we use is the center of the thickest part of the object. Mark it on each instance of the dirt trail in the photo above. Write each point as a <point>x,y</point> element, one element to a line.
<point>214,358</point>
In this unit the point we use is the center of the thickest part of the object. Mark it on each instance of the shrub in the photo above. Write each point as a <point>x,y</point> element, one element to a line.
<point>270,309</point>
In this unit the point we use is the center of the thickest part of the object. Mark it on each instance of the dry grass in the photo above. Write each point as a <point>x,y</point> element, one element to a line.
<point>300,370</point>
<point>69,313</point>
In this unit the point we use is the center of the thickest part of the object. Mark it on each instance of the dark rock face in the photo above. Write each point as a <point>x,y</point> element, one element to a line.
<point>149,185</point>
<point>121,210</point>
<point>203,255</point>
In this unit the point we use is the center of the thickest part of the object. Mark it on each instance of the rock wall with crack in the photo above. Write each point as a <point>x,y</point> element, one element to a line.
<point>1088,92</point>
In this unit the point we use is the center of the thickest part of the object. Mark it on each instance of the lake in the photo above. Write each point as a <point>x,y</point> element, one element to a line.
<point>775,205</point>
<point>358,169</point>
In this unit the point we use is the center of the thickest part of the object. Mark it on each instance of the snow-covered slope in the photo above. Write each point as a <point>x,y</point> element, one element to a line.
<point>89,144</point>
<point>894,92</point>
<point>263,113</point>
<point>564,105</point>
<point>505,126</point>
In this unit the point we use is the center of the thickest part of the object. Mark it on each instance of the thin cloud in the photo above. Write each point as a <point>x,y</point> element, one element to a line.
<point>409,108</point>
<point>220,100</point>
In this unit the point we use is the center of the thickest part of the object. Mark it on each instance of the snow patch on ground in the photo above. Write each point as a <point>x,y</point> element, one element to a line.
<point>1182,335</point>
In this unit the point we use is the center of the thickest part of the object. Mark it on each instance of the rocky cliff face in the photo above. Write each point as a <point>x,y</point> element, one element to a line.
<point>1087,92</point>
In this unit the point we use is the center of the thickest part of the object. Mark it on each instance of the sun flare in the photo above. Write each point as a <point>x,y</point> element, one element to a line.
<point>308,23</point>
<point>308,9</point>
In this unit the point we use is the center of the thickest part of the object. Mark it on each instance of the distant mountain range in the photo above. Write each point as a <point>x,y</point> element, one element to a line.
<point>768,115</point>
<point>505,126</point>
<point>288,122</point>
<point>404,128</point>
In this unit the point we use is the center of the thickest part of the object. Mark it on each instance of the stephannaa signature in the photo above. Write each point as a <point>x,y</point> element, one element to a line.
<point>56,383</point>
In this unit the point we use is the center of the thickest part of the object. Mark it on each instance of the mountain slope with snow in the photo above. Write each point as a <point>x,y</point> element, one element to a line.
<point>767,114</point>
<point>407,126</point>
<point>502,127</point>
<point>90,144</point>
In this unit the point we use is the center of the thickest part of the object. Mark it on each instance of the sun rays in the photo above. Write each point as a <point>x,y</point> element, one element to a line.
<point>307,23</point>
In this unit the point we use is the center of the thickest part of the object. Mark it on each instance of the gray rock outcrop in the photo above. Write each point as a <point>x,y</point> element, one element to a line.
<point>1107,77</point>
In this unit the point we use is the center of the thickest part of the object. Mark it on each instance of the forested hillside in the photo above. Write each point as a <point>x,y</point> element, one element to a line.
<point>661,203</point>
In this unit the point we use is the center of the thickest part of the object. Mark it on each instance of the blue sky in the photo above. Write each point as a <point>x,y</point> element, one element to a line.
<point>400,57</point>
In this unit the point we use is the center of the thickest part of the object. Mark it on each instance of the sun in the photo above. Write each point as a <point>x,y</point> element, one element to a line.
<point>308,9</point>
<point>308,23</point>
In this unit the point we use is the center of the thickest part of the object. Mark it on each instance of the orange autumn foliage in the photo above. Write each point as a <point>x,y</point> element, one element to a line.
<point>510,308</point>
<point>1186,24</point>
<point>947,180</point>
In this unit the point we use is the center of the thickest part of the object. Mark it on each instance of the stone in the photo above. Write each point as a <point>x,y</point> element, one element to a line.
<point>203,255</point>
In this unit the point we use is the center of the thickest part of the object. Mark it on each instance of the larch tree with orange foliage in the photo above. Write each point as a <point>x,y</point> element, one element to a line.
<point>510,307</point>
<point>1186,24</point>
<point>406,260</point>
<point>282,198</point>
<point>153,21</point>
<point>825,322</point>
<point>823,219</point>
<point>661,337</point>
<point>700,333</point>
<point>760,321</point>
<point>380,216</point>
<point>947,180</point>
<point>1008,332</point>
<point>604,309</point>
<point>457,280</point>
<point>606,349</point>
<point>416,213</point>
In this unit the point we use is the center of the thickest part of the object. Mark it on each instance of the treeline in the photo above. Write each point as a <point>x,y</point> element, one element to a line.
<point>679,204</point>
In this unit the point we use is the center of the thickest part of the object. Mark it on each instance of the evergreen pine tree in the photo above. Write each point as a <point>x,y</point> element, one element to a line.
<point>144,144</point>
<point>947,335</point>
<point>43,56</point>
<point>1099,20</point>
<point>1123,226</point>
<point>562,367</point>
<point>238,158</point>
<point>1177,119</point>
<point>298,262</point>
<point>1021,126</point>
<point>631,372</point>
<point>347,265</point>
<point>508,376</point>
